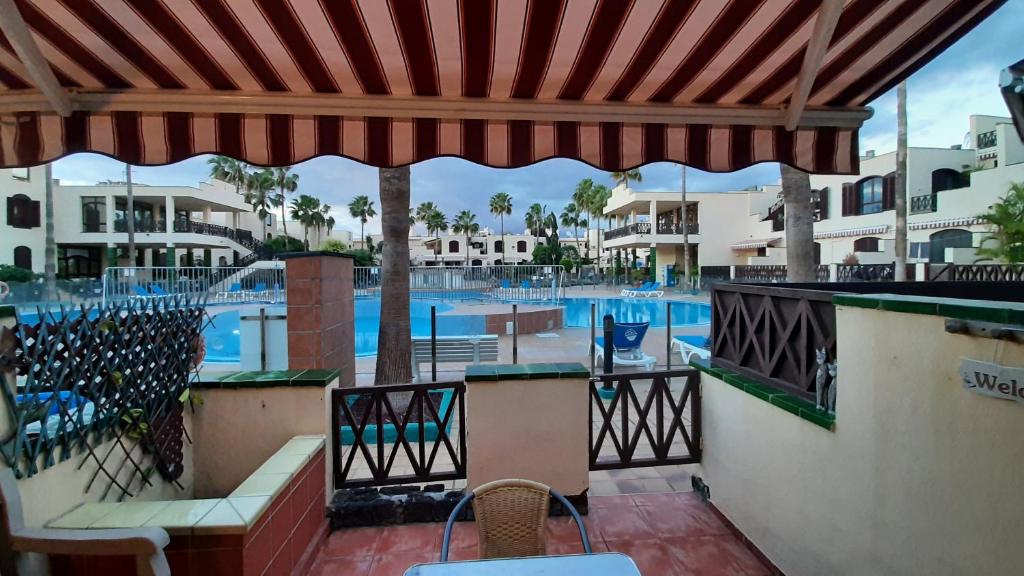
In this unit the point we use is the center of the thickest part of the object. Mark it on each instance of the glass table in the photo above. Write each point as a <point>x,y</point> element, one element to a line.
<point>604,564</point>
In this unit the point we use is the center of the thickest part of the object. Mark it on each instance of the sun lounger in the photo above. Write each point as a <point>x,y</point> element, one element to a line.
<point>690,346</point>
<point>631,292</point>
<point>626,341</point>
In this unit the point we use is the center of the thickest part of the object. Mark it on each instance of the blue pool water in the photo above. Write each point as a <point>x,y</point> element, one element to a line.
<point>577,311</point>
<point>222,338</point>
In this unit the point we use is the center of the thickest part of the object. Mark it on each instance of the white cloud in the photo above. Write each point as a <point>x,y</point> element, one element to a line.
<point>939,106</point>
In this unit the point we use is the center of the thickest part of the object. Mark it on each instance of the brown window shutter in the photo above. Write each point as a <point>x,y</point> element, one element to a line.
<point>33,218</point>
<point>889,192</point>
<point>10,211</point>
<point>849,199</point>
<point>823,204</point>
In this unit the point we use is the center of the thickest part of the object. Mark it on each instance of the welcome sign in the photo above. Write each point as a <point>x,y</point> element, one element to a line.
<point>1006,382</point>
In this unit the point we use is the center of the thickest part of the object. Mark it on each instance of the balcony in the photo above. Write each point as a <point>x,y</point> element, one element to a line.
<point>645,228</point>
<point>924,204</point>
<point>987,140</point>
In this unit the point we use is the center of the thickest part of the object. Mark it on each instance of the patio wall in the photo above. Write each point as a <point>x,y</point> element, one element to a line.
<point>61,487</point>
<point>247,416</point>
<point>919,476</point>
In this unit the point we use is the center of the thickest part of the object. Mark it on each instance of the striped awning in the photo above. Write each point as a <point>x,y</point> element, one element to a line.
<point>716,84</point>
<point>946,223</point>
<point>866,231</point>
<point>755,244</point>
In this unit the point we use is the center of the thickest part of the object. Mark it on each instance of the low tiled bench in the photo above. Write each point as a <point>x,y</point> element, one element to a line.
<point>272,523</point>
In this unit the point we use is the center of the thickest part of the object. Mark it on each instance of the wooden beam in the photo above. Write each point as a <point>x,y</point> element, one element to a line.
<point>821,36</point>
<point>13,26</point>
<point>212,102</point>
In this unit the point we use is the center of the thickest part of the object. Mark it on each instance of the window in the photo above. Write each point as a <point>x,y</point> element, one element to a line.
<point>78,262</point>
<point>946,179</point>
<point>453,246</point>
<point>22,212</point>
<point>920,249</point>
<point>499,246</point>
<point>521,246</point>
<point>952,238</point>
<point>94,214</point>
<point>817,253</point>
<point>870,195</point>
<point>868,244</point>
<point>23,257</point>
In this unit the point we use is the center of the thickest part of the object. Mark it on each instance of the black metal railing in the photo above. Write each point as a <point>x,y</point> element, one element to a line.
<point>872,272</point>
<point>711,274</point>
<point>146,225</point>
<point>987,140</point>
<point>977,272</point>
<point>645,419</point>
<point>760,273</point>
<point>677,228</point>
<point>772,334</point>
<point>924,204</point>
<point>398,434</point>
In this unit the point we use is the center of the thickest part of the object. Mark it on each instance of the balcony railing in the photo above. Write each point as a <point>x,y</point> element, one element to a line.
<point>987,140</point>
<point>923,204</point>
<point>645,228</point>
<point>773,335</point>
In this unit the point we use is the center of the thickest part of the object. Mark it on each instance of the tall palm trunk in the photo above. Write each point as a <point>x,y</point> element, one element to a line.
<point>284,219</point>
<point>686,236</point>
<point>467,250</point>
<point>394,343</point>
<point>796,194</point>
<point>130,220</point>
<point>50,266</point>
<point>901,183</point>
<point>502,218</point>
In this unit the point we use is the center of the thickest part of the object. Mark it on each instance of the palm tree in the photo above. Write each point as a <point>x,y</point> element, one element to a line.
<point>258,194</point>
<point>626,175</point>
<point>394,343</point>
<point>796,195</point>
<point>599,196</point>
<point>286,182</point>
<point>900,272</point>
<point>436,223</point>
<point>501,205</point>
<point>362,207</point>
<point>229,170</point>
<point>306,210</point>
<point>571,217</point>
<point>424,210</point>
<point>50,265</point>
<point>534,219</point>
<point>581,198</point>
<point>465,223</point>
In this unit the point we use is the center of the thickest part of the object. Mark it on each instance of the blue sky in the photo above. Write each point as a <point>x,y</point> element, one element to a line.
<point>941,97</point>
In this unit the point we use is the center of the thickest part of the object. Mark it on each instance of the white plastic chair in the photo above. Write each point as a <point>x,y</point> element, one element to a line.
<point>145,544</point>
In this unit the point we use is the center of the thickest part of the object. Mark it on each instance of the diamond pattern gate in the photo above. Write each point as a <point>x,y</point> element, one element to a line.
<point>645,419</point>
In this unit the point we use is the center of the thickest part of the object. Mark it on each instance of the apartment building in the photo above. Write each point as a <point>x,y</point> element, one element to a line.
<point>174,225</point>
<point>855,220</point>
<point>484,248</point>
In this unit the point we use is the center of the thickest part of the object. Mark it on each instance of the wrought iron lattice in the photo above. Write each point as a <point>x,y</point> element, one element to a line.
<point>107,383</point>
<point>979,272</point>
<point>400,434</point>
<point>645,421</point>
<point>771,334</point>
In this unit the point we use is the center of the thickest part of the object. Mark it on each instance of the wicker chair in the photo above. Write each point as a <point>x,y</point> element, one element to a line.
<point>511,516</point>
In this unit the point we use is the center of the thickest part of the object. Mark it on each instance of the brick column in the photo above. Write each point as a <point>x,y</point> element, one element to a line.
<point>321,330</point>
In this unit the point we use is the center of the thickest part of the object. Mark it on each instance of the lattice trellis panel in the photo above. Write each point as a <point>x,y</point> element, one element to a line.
<point>91,375</point>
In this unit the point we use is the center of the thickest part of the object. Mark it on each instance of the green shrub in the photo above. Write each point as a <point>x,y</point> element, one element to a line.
<point>333,245</point>
<point>10,273</point>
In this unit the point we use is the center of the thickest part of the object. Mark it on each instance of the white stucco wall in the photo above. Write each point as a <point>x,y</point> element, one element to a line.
<point>920,476</point>
<point>33,238</point>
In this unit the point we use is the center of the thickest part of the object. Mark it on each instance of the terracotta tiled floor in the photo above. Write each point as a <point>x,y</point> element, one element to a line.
<point>668,533</point>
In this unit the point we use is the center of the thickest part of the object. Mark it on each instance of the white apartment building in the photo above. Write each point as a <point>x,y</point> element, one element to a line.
<point>947,189</point>
<point>485,248</point>
<point>174,225</point>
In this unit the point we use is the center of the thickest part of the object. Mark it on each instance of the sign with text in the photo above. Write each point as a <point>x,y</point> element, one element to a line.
<point>1006,382</point>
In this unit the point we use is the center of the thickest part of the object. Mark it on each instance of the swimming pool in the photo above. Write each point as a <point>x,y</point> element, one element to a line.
<point>222,334</point>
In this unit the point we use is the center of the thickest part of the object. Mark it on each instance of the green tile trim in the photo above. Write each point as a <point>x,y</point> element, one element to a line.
<point>960,308</point>
<point>541,371</point>
<point>792,404</point>
<point>267,379</point>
